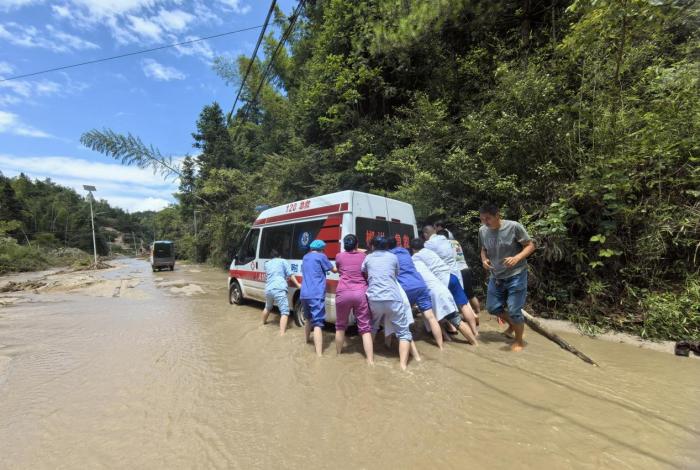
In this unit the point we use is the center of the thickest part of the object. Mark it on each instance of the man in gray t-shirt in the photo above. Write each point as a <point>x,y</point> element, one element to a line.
<point>505,246</point>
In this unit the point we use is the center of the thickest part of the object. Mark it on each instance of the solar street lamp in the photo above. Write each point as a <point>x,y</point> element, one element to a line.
<point>90,189</point>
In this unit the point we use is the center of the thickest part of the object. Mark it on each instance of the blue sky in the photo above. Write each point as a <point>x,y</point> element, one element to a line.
<point>156,96</point>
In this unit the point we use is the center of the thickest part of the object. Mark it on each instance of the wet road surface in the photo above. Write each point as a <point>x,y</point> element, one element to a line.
<point>135,369</point>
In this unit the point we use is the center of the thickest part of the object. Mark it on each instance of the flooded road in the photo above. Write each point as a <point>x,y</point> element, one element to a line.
<point>137,369</point>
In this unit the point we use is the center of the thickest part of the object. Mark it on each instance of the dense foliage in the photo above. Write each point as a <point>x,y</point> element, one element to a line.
<point>40,221</point>
<point>581,119</point>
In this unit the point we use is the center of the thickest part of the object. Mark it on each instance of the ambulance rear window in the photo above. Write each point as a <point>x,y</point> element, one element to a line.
<point>369,228</point>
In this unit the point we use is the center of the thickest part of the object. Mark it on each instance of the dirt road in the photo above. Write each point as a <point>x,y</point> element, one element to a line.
<point>125,368</point>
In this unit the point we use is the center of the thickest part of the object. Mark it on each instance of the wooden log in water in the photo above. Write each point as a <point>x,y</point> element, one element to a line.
<point>535,325</point>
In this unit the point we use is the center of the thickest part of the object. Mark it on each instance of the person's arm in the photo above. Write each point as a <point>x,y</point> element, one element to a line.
<point>527,244</point>
<point>327,266</point>
<point>485,261</point>
<point>290,275</point>
<point>528,249</point>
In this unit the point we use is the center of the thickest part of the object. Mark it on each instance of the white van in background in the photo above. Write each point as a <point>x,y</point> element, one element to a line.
<point>292,227</point>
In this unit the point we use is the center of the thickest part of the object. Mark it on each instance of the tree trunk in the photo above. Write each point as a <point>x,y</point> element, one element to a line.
<point>535,325</point>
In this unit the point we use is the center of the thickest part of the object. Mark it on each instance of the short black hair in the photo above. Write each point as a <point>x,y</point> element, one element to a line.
<point>391,243</point>
<point>489,208</point>
<point>443,232</point>
<point>440,223</point>
<point>350,242</point>
<point>417,244</point>
<point>379,243</point>
<point>274,253</point>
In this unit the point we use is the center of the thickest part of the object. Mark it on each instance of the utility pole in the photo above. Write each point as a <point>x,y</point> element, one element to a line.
<point>90,189</point>
<point>195,223</point>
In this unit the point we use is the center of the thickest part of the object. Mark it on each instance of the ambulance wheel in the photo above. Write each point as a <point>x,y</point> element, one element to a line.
<point>299,319</point>
<point>172,267</point>
<point>235,294</point>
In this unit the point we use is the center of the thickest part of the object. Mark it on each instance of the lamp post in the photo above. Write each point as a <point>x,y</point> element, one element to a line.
<point>90,189</point>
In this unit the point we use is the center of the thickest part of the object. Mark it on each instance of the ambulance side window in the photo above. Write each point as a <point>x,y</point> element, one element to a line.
<point>249,247</point>
<point>279,238</point>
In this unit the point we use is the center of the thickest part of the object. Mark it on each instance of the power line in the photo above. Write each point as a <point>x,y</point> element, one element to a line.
<point>128,54</point>
<point>252,58</point>
<point>284,38</point>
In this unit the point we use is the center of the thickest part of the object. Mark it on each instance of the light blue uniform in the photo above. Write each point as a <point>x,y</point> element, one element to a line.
<point>384,292</point>
<point>277,271</point>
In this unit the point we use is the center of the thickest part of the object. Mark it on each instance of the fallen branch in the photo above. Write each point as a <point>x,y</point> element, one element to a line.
<point>535,325</point>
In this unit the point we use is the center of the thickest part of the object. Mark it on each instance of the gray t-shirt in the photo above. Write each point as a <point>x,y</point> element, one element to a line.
<point>505,242</point>
<point>382,270</point>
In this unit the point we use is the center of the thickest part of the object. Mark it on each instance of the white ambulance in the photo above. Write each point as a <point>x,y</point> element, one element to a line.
<point>291,228</point>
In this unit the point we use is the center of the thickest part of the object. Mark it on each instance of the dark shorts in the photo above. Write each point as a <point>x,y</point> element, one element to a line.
<point>510,292</point>
<point>455,318</point>
<point>315,311</point>
<point>421,298</point>
<point>457,292</point>
<point>467,281</point>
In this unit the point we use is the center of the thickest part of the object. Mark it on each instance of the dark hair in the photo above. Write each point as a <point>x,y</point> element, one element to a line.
<point>379,243</point>
<point>443,232</point>
<point>489,208</point>
<point>417,244</point>
<point>274,253</point>
<point>350,242</point>
<point>440,223</point>
<point>391,243</point>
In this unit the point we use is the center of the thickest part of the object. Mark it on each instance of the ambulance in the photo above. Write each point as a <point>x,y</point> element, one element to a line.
<point>291,228</point>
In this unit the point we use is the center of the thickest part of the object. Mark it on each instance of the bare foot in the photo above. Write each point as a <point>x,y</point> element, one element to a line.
<point>517,346</point>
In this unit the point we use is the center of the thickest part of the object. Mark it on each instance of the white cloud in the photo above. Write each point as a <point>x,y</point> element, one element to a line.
<point>158,71</point>
<point>198,49</point>
<point>6,69</point>
<point>7,5</point>
<point>236,6</point>
<point>127,187</point>
<point>24,91</point>
<point>137,204</point>
<point>51,38</point>
<point>173,20</point>
<point>10,123</point>
<point>145,28</point>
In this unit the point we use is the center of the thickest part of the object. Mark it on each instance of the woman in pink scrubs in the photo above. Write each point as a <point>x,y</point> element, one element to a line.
<point>351,295</point>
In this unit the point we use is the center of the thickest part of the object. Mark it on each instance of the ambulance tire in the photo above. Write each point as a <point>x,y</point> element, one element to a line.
<point>235,294</point>
<point>299,319</point>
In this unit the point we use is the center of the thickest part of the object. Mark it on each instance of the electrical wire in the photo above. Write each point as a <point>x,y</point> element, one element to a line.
<point>284,38</point>
<point>128,54</point>
<point>252,58</point>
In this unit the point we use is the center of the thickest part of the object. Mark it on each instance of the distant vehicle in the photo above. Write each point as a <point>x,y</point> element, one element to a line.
<point>162,255</point>
<point>292,227</point>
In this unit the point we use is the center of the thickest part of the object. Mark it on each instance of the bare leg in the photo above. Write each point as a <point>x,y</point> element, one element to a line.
<point>510,332</point>
<point>369,347</point>
<point>318,340</point>
<point>519,344</point>
<point>445,336</point>
<point>434,327</point>
<point>468,316</point>
<point>307,331</point>
<point>467,332</point>
<point>404,349</point>
<point>265,314</point>
<point>414,351</point>
<point>476,306</point>
<point>283,324</point>
<point>339,340</point>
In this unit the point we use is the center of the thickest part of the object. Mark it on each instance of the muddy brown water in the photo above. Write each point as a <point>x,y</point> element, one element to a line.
<point>172,376</point>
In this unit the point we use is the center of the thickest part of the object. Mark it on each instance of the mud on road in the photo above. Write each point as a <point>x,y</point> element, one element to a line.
<point>125,368</point>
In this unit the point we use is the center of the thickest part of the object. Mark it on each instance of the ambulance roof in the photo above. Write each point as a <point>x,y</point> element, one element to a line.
<point>321,205</point>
